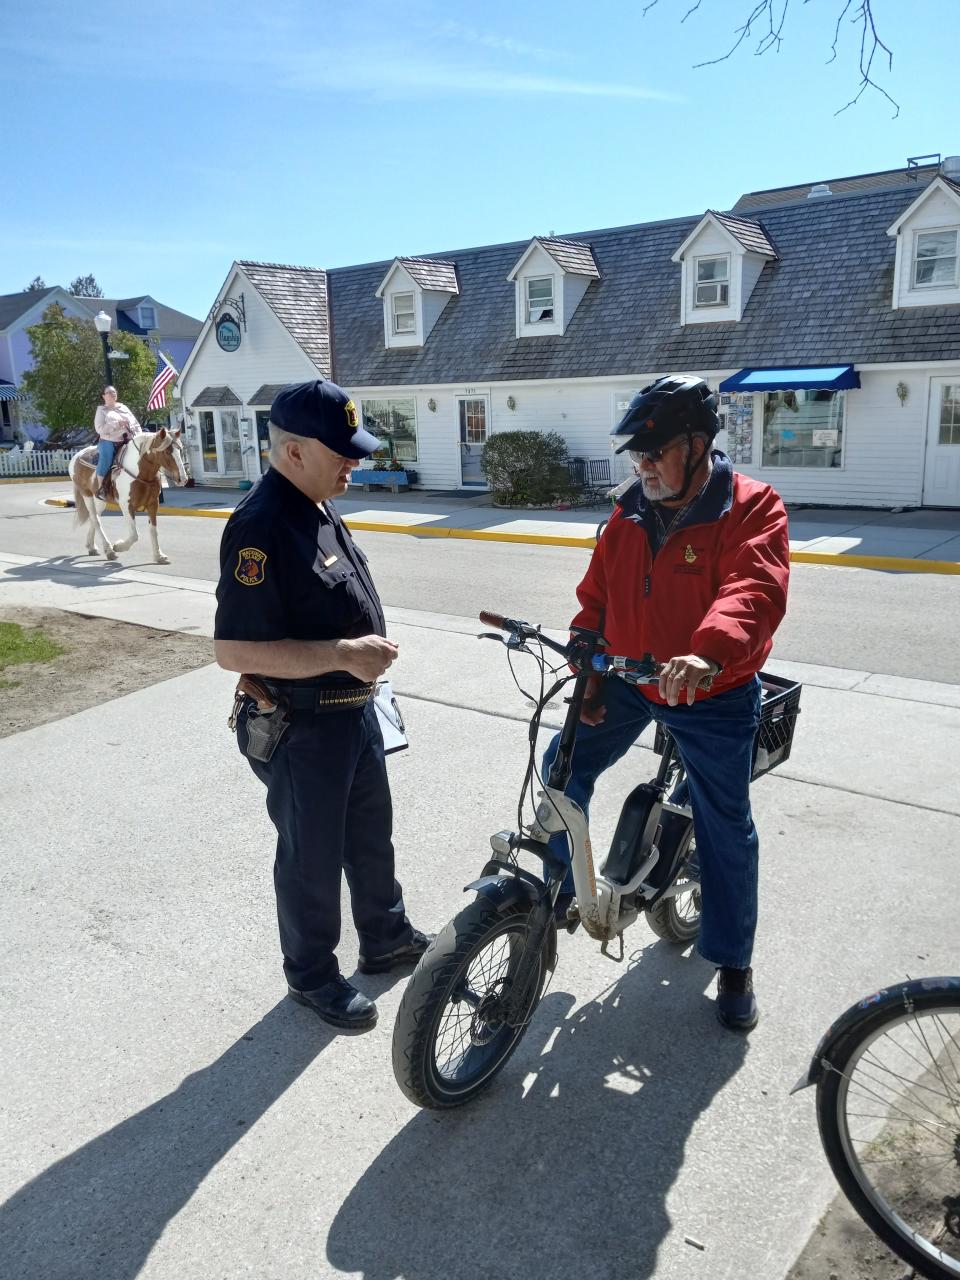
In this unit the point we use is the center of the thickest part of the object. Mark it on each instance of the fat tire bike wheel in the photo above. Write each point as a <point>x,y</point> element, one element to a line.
<point>888,1107</point>
<point>451,1037</point>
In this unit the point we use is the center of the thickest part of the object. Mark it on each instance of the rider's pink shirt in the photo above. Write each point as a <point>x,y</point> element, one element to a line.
<point>114,424</point>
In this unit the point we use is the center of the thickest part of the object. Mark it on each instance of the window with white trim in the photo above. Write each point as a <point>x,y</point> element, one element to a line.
<point>148,317</point>
<point>935,260</point>
<point>539,299</point>
<point>404,313</point>
<point>803,428</point>
<point>950,414</point>
<point>395,423</point>
<point>713,282</point>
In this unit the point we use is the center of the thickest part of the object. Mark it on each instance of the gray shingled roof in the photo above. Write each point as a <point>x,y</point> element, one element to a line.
<point>14,305</point>
<point>298,298</point>
<point>827,300</point>
<point>747,232</point>
<point>571,255</point>
<point>215,398</point>
<point>267,393</point>
<point>123,313</point>
<point>431,273</point>
<point>907,179</point>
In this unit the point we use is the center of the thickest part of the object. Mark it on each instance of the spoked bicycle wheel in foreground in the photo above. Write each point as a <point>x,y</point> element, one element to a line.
<point>888,1106</point>
<point>459,1022</point>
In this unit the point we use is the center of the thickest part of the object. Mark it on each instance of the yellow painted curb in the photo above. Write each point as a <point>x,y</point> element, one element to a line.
<point>33,479</point>
<point>896,564</point>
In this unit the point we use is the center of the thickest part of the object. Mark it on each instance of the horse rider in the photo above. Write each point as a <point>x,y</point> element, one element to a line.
<point>296,605</point>
<point>114,423</point>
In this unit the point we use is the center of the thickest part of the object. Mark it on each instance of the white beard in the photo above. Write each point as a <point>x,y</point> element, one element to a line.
<point>654,490</point>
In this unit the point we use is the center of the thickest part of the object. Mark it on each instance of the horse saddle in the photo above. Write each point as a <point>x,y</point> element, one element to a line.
<point>89,457</point>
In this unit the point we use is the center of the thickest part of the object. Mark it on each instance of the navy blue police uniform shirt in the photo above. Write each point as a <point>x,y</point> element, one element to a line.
<point>290,570</point>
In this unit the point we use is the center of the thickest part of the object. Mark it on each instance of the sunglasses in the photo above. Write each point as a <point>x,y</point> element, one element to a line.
<point>652,455</point>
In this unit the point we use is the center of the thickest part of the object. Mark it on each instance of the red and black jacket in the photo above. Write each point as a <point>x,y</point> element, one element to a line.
<point>716,586</point>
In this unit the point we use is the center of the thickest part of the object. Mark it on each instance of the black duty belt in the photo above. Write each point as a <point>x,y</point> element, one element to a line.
<point>331,698</point>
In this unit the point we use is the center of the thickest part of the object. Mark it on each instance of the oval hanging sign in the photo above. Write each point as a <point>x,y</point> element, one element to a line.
<point>228,333</point>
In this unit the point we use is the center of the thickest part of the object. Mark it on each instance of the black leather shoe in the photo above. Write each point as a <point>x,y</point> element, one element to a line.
<point>736,1004</point>
<point>340,1004</point>
<point>409,953</point>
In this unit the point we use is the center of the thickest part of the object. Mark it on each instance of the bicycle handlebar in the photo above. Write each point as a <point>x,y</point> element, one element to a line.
<point>580,653</point>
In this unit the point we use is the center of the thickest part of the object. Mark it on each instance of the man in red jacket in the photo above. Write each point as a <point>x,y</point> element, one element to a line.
<point>693,568</point>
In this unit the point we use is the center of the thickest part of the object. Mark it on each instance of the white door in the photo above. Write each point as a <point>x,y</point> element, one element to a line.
<point>941,475</point>
<point>230,442</point>
<point>473,436</point>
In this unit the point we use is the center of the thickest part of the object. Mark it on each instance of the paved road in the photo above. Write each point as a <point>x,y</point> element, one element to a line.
<point>888,623</point>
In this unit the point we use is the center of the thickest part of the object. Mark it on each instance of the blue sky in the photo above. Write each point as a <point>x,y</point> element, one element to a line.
<point>152,146</point>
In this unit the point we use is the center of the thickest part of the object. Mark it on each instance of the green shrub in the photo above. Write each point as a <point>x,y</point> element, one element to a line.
<point>527,467</point>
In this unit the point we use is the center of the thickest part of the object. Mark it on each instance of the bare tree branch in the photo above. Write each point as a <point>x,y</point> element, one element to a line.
<point>775,12</point>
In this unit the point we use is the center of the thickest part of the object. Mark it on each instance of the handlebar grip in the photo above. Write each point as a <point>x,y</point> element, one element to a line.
<point>493,620</point>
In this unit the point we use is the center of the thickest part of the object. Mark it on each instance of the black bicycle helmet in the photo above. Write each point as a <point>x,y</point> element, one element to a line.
<point>674,405</point>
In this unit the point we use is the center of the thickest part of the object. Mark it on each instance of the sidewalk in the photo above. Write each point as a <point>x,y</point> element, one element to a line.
<point>171,1116</point>
<point>921,541</point>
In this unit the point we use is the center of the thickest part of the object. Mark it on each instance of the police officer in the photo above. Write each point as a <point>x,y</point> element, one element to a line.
<point>297,609</point>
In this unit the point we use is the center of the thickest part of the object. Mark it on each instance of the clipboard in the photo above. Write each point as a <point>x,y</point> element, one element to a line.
<point>389,718</point>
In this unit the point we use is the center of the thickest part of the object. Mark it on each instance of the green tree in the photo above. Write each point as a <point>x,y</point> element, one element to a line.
<point>85,287</point>
<point>67,377</point>
<point>36,285</point>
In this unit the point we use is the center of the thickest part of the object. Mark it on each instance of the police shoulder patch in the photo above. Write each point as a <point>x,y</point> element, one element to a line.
<point>251,566</point>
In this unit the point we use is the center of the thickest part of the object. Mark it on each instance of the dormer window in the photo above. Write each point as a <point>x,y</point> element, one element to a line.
<point>721,261</point>
<point>935,260</point>
<point>148,316</point>
<point>404,313</point>
<point>539,299</point>
<point>415,292</point>
<point>713,281</point>
<point>550,279</point>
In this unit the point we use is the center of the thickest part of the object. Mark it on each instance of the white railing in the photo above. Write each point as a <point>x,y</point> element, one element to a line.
<point>35,462</point>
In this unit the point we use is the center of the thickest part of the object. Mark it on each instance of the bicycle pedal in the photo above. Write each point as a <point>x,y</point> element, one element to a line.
<point>605,950</point>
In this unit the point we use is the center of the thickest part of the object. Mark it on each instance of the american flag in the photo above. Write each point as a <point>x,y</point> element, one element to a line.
<point>164,375</point>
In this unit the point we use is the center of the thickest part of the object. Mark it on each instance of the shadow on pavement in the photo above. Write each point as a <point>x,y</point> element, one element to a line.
<point>562,1168</point>
<point>96,571</point>
<point>98,1212</point>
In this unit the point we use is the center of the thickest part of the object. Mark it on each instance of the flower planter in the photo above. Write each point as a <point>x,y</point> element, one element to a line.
<point>367,478</point>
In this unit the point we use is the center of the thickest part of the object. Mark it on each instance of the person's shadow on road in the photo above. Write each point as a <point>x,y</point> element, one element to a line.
<point>562,1168</point>
<point>97,1213</point>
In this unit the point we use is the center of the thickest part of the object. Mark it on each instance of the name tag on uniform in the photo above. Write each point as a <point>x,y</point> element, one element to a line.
<point>330,562</point>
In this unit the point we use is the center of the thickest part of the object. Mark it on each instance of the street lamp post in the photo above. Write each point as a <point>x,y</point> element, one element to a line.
<point>103,322</point>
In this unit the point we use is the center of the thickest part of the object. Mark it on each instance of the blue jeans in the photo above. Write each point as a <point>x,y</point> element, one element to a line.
<point>105,457</point>
<point>715,739</point>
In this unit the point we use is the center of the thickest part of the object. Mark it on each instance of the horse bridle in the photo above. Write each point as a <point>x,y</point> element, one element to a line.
<point>135,475</point>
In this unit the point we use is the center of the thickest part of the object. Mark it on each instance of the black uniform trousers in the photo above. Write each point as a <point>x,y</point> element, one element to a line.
<point>329,798</point>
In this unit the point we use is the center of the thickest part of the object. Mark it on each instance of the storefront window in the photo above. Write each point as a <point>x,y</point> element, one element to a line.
<point>802,428</point>
<point>395,422</point>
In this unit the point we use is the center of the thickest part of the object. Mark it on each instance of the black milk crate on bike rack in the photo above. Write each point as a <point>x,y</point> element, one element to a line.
<point>778,720</point>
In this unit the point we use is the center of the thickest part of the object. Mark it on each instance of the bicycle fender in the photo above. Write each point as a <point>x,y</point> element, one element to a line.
<point>506,892</point>
<point>902,993</point>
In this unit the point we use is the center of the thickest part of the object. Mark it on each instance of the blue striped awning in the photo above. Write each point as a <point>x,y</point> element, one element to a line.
<point>835,377</point>
<point>9,392</point>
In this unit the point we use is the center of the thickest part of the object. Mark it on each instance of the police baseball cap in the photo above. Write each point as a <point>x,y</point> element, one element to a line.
<point>323,411</point>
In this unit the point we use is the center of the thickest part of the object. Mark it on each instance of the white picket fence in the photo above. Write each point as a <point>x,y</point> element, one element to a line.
<point>35,462</point>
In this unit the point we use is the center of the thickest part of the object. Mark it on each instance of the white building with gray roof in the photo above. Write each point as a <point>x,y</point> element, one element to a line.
<point>827,314</point>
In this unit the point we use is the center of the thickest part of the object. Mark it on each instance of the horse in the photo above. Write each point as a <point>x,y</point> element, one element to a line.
<point>136,480</point>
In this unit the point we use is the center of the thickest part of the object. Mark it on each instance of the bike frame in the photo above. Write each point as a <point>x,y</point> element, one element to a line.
<point>599,897</point>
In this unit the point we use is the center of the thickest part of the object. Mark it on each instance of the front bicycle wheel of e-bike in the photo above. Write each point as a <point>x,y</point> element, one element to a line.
<point>677,918</point>
<point>888,1107</point>
<point>459,1020</point>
